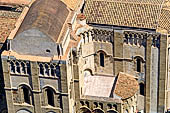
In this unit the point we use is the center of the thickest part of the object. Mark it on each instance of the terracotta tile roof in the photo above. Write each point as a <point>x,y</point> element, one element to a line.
<point>164,23</point>
<point>19,2</point>
<point>126,86</point>
<point>131,13</point>
<point>7,23</point>
<point>72,4</point>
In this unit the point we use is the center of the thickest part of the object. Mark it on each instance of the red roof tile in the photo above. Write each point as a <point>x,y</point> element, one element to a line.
<point>126,86</point>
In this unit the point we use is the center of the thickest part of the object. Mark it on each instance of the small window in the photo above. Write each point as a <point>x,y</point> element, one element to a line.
<point>138,63</point>
<point>52,70</point>
<point>18,67</point>
<point>141,88</point>
<point>23,70</point>
<point>26,95</point>
<point>12,67</point>
<point>48,51</point>
<point>50,97</point>
<point>115,106</point>
<point>102,59</point>
<point>47,70</point>
<point>41,69</point>
<point>58,50</point>
<point>28,68</point>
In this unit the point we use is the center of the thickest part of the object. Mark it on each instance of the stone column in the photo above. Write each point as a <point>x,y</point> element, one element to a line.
<point>118,52</point>
<point>148,73</point>
<point>36,87</point>
<point>8,89</point>
<point>163,74</point>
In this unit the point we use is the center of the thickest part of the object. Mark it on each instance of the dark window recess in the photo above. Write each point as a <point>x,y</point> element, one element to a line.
<point>23,68</point>
<point>28,69</point>
<point>48,51</point>
<point>50,97</point>
<point>138,65</point>
<point>18,67</point>
<point>102,59</point>
<point>41,69</point>
<point>142,89</point>
<point>12,67</point>
<point>58,50</point>
<point>26,95</point>
<point>52,70</point>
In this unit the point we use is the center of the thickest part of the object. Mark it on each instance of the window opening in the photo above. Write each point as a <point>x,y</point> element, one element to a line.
<point>141,89</point>
<point>18,67</point>
<point>41,69</point>
<point>48,51</point>
<point>102,59</point>
<point>138,65</point>
<point>12,67</point>
<point>50,97</point>
<point>26,95</point>
<point>28,69</point>
<point>58,50</point>
<point>52,70</point>
<point>23,70</point>
<point>46,70</point>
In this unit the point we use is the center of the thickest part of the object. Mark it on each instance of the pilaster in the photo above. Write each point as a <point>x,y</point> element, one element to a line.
<point>162,74</point>
<point>8,89</point>
<point>118,51</point>
<point>36,87</point>
<point>148,73</point>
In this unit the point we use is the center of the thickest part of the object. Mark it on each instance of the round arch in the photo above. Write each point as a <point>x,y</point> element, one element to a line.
<point>97,110</point>
<point>23,111</point>
<point>102,51</point>
<point>50,112</point>
<point>50,87</point>
<point>4,111</point>
<point>25,85</point>
<point>112,111</point>
<point>84,109</point>
<point>139,57</point>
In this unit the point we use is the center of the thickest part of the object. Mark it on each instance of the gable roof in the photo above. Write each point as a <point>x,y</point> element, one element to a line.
<point>48,16</point>
<point>129,13</point>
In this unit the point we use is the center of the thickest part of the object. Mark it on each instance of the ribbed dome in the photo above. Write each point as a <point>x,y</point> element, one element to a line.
<point>48,16</point>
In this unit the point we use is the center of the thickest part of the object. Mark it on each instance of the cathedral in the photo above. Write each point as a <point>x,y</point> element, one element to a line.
<point>84,56</point>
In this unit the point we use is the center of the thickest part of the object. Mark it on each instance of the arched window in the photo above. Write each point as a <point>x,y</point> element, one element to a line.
<point>142,88</point>
<point>57,71</point>
<point>12,67</point>
<point>46,69</point>
<point>41,69</point>
<point>52,70</point>
<point>26,95</point>
<point>115,106</point>
<point>28,68</point>
<point>23,70</point>
<point>138,65</point>
<point>102,59</point>
<point>18,67</point>
<point>50,97</point>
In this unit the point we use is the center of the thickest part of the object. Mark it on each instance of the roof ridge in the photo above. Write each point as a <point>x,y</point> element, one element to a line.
<point>130,2</point>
